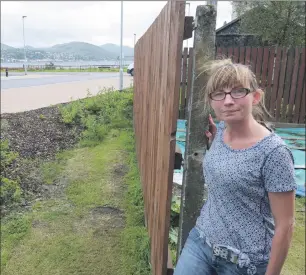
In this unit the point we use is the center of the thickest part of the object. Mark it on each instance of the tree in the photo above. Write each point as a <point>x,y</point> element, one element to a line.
<point>279,22</point>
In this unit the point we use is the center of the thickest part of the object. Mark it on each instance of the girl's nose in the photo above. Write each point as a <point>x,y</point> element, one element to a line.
<point>228,100</point>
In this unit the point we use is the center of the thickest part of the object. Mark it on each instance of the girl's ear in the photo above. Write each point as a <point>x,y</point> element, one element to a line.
<point>257,95</point>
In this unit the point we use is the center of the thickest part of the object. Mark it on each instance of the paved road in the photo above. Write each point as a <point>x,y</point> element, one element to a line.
<point>19,80</point>
<point>22,93</point>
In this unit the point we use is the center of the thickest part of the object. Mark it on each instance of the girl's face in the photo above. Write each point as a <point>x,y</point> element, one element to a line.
<point>234,107</point>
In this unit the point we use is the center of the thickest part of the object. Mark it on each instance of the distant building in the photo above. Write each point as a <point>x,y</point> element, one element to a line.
<point>230,35</point>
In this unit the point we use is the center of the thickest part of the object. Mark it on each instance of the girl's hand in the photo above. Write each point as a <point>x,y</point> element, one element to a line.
<point>211,133</point>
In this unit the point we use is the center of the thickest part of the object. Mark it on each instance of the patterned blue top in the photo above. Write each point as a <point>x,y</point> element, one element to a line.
<point>237,212</point>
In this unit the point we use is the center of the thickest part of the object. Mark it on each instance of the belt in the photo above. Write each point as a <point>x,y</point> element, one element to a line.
<point>229,255</point>
<point>223,252</point>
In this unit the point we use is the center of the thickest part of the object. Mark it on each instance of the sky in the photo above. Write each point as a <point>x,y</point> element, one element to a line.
<point>96,22</point>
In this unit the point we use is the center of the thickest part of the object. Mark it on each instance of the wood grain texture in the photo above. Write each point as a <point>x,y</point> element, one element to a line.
<point>158,57</point>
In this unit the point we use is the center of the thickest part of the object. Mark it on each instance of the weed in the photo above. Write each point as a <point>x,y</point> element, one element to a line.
<point>42,117</point>
<point>10,188</point>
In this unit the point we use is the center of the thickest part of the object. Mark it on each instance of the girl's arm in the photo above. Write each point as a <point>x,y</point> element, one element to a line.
<point>279,181</point>
<point>282,207</point>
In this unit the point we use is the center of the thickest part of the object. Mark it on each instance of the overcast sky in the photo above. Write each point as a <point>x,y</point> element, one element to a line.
<point>50,23</point>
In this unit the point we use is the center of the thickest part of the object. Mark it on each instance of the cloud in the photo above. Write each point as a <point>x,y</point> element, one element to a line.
<point>95,22</point>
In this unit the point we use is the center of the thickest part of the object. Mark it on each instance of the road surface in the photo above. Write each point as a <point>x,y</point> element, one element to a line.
<point>18,80</point>
<point>36,90</point>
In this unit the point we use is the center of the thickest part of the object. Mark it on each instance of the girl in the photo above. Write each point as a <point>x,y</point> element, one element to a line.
<point>246,224</point>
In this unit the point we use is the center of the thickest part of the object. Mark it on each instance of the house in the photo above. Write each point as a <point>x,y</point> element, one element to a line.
<point>230,35</point>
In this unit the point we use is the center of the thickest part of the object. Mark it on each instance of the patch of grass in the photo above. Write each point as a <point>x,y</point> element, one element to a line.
<point>71,234</point>
<point>13,230</point>
<point>10,191</point>
<point>52,170</point>
<point>295,263</point>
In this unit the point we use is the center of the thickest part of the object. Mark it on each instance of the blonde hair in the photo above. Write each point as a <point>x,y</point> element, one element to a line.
<point>226,74</point>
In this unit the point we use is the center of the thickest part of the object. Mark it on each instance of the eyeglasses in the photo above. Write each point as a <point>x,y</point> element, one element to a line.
<point>235,94</point>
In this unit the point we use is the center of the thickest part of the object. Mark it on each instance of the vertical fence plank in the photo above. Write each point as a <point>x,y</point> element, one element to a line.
<point>253,58</point>
<point>281,83</point>
<point>275,81</point>
<point>219,53</point>
<point>183,86</point>
<point>299,90</point>
<point>225,52</point>
<point>264,67</point>
<point>293,84</point>
<point>289,70</point>
<point>303,107</point>
<point>236,55</point>
<point>270,75</point>
<point>241,55</point>
<point>247,59</point>
<point>257,70</point>
<point>230,52</point>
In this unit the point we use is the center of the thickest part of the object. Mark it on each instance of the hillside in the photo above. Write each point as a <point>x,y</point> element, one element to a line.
<point>113,48</point>
<point>72,51</point>
<point>6,47</point>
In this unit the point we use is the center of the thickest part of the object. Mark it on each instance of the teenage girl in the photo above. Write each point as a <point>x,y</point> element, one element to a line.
<point>246,224</point>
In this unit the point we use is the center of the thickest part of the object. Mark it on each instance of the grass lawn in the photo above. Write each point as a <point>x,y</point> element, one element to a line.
<point>94,223</point>
<point>295,263</point>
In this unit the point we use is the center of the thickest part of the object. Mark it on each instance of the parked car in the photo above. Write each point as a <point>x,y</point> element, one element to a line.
<point>130,69</point>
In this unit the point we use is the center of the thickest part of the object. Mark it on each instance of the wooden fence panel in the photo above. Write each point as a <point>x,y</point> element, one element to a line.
<point>281,73</point>
<point>253,58</point>
<point>275,81</point>
<point>281,83</point>
<point>301,80</point>
<point>257,69</point>
<point>247,59</point>
<point>230,52</point>
<point>219,53</point>
<point>303,107</point>
<point>264,71</point>
<point>241,55</point>
<point>293,84</point>
<point>236,55</point>
<point>268,88</point>
<point>158,58</point>
<point>289,69</point>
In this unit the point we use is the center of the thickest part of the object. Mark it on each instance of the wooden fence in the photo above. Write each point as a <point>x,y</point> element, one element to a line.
<point>156,98</point>
<point>280,71</point>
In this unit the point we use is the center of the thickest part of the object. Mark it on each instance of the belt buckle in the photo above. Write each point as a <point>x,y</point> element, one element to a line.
<point>220,251</point>
<point>225,253</point>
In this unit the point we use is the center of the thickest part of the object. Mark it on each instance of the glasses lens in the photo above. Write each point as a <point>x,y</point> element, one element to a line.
<point>239,93</point>
<point>217,96</point>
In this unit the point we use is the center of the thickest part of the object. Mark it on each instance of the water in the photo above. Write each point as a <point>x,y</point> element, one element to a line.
<point>72,64</point>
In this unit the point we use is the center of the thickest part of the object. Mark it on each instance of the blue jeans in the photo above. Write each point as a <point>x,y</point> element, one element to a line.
<point>197,259</point>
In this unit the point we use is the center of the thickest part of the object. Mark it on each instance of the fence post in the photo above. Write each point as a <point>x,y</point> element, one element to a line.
<point>193,191</point>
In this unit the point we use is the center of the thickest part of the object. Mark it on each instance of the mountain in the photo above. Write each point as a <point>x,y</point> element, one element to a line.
<point>82,49</point>
<point>72,51</point>
<point>113,48</point>
<point>6,47</point>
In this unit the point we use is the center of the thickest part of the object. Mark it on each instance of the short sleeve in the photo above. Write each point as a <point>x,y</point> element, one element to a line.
<point>278,170</point>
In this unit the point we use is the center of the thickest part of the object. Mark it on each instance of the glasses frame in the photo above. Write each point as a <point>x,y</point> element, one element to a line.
<point>248,91</point>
